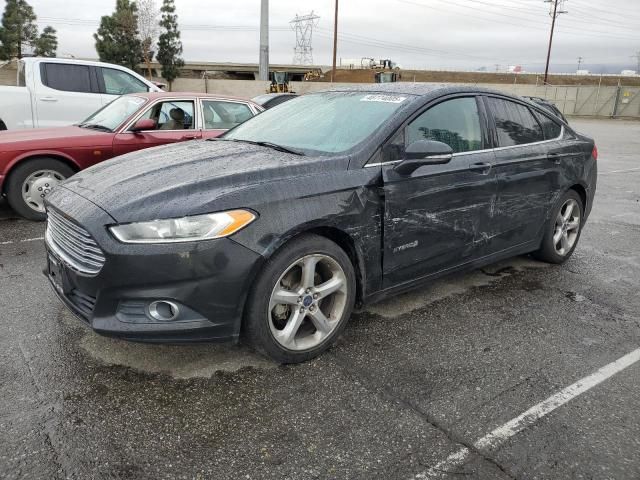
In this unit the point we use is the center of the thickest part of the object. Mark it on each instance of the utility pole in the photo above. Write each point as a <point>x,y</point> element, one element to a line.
<point>637,57</point>
<point>580,60</point>
<point>497,65</point>
<point>555,12</point>
<point>264,41</point>
<point>335,42</point>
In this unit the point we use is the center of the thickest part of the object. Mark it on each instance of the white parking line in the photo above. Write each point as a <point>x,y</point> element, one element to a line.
<point>10,242</point>
<point>620,171</point>
<point>498,436</point>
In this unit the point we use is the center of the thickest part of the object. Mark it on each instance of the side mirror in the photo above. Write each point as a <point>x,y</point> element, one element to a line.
<point>144,124</point>
<point>424,152</point>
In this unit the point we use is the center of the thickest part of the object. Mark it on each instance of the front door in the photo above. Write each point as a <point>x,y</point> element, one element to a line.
<point>175,122</point>
<point>439,216</point>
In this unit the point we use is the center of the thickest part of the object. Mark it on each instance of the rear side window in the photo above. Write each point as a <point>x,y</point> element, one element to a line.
<point>224,115</point>
<point>515,124</point>
<point>65,77</point>
<point>550,128</point>
<point>454,122</point>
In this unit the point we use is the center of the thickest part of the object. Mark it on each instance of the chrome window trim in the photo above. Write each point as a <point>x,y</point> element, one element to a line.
<point>496,149</point>
<point>139,114</point>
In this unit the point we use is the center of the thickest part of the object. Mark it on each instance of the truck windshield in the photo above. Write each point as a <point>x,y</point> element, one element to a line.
<point>110,116</point>
<point>321,123</point>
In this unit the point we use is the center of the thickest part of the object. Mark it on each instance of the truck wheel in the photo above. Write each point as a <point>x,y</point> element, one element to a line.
<point>31,181</point>
<point>301,300</point>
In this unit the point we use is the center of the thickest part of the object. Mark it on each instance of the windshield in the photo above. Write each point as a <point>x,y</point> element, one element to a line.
<point>324,123</point>
<point>115,113</point>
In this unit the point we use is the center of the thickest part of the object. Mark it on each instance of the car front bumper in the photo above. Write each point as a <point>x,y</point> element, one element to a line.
<point>208,281</point>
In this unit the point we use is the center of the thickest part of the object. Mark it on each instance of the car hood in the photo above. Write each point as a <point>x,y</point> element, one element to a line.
<point>48,138</point>
<point>189,178</point>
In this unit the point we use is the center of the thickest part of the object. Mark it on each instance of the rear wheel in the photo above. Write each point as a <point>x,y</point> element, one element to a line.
<point>301,300</point>
<point>30,182</point>
<point>563,230</point>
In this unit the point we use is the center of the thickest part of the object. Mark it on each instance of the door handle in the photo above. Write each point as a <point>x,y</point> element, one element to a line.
<point>49,99</point>
<point>481,167</point>
<point>189,137</point>
<point>555,157</point>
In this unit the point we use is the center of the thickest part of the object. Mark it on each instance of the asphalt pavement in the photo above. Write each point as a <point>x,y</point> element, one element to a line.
<point>410,391</point>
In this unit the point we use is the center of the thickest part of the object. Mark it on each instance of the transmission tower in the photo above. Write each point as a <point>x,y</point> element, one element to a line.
<point>555,10</point>
<point>580,62</point>
<point>303,26</point>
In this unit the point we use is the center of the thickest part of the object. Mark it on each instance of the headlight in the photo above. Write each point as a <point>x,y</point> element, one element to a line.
<point>186,229</point>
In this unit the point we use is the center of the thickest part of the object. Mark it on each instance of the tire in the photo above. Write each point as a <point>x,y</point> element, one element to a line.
<point>54,172</point>
<point>269,326</point>
<point>549,251</point>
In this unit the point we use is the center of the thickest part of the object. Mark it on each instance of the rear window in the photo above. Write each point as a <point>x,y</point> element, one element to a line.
<point>65,77</point>
<point>515,123</point>
<point>550,128</point>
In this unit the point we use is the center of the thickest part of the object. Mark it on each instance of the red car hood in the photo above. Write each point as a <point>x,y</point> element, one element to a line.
<point>37,138</point>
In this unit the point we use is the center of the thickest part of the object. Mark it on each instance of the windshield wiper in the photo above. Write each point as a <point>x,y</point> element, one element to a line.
<point>95,126</point>
<point>274,146</point>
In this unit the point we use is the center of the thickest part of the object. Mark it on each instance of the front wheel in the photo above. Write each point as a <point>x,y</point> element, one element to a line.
<point>301,301</point>
<point>563,230</point>
<point>31,181</point>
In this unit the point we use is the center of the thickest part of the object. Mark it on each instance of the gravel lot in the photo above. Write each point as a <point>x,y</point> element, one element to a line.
<point>412,381</point>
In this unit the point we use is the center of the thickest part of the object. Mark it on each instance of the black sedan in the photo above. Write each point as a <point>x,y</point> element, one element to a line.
<point>270,100</point>
<point>275,231</point>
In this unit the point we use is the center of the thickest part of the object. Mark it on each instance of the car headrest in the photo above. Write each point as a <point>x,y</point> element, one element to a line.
<point>177,114</point>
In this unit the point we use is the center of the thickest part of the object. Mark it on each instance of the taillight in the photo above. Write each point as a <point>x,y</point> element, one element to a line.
<point>594,153</point>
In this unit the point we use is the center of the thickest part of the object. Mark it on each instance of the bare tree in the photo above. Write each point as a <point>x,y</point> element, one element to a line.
<point>148,28</point>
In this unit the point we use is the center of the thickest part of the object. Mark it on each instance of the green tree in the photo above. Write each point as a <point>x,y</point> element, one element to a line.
<point>117,39</point>
<point>169,44</point>
<point>46,44</point>
<point>18,29</point>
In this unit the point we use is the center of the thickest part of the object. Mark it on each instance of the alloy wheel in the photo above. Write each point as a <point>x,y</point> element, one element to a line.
<point>37,186</point>
<point>567,227</point>
<point>307,302</point>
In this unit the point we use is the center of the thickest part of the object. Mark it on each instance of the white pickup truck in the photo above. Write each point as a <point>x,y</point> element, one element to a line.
<point>53,92</point>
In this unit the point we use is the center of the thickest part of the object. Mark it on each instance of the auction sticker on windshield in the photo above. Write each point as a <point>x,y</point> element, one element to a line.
<point>383,98</point>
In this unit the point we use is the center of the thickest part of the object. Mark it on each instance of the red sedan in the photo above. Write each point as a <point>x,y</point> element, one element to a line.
<point>32,162</point>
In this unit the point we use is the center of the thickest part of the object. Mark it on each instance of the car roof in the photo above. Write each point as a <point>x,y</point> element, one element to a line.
<point>418,89</point>
<point>156,95</point>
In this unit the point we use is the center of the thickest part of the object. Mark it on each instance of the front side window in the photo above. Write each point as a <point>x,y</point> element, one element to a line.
<point>224,115</point>
<point>115,113</point>
<point>172,115</point>
<point>66,77</point>
<point>515,124</point>
<point>117,82</point>
<point>550,128</point>
<point>455,122</point>
<point>322,123</point>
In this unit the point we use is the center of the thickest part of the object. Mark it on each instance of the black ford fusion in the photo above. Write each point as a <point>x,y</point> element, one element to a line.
<point>275,231</point>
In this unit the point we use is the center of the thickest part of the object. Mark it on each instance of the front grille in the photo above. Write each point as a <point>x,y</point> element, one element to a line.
<point>73,244</point>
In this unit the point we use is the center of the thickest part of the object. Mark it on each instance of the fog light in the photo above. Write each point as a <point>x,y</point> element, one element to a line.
<point>163,310</point>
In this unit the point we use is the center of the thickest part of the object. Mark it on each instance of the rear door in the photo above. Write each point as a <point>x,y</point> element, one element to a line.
<point>439,216</point>
<point>65,94</point>
<point>527,175</point>
<point>176,121</point>
<point>218,116</point>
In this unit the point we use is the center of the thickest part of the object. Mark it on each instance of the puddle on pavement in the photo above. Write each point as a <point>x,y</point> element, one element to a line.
<point>448,286</point>
<point>178,361</point>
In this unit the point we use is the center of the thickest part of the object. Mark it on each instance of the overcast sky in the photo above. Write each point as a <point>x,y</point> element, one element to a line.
<point>414,33</point>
